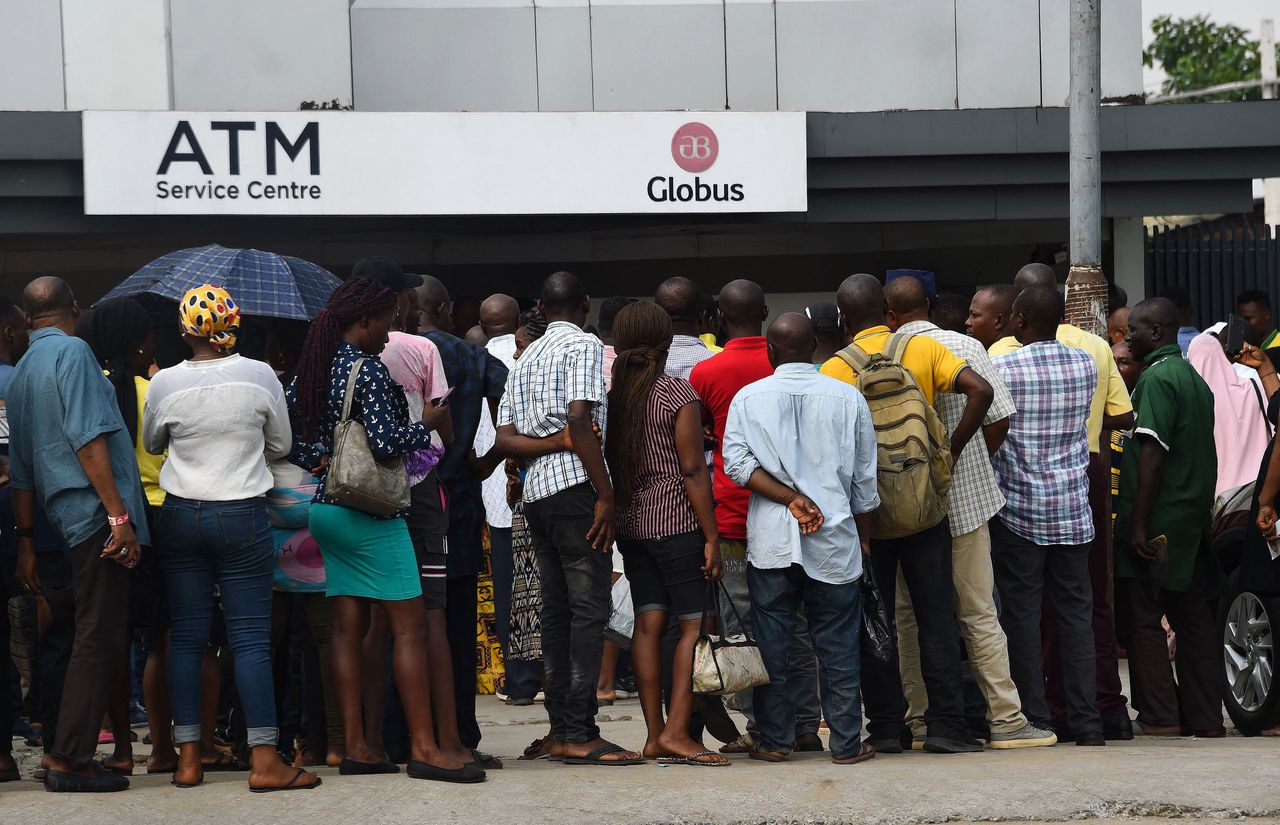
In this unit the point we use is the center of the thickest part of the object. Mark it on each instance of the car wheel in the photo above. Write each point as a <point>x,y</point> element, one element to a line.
<point>1248,658</point>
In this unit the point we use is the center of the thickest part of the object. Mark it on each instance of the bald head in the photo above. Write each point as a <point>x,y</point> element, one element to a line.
<point>433,306</point>
<point>476,336</point>
<point>681,299</point>
<point>50,302</point>
<point>1036,314</point>
<point>564,298</point>
<point>742,308</point>
<point>791,339</point>
<point>1152,324</point>
<point>499,315</point>
<point>1035,275</point>
<point>861,302</point>
<point>906,300</point>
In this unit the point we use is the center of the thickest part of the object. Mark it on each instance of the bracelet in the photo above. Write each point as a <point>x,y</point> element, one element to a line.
<point>116,521</point>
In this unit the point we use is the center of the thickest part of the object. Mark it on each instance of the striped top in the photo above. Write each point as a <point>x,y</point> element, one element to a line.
<point>659,506</point>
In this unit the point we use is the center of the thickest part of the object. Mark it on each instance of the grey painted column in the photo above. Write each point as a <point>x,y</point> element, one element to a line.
<point>1086,284</point>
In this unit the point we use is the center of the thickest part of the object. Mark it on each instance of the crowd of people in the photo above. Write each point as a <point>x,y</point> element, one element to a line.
<point>981,473</point>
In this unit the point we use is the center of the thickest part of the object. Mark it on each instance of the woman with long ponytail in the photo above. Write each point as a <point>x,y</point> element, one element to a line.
<point>367,558</point>
<point>666,520</point>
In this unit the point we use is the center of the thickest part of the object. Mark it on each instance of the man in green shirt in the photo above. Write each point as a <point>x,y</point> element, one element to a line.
<point>1166,493</point>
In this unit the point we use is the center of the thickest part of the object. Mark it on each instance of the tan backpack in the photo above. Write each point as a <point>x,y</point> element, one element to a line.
<point>913,465</point>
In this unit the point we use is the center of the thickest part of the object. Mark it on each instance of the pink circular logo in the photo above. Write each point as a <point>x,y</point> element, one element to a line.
<point>694,147</point>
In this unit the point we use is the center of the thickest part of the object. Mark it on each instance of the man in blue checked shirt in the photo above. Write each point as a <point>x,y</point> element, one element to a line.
<point>1040,540</point>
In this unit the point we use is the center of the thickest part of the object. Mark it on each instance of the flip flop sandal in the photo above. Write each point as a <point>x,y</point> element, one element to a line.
<point>596,757</point>
<point>864,753</point>
<point>485,761</point>
<point>195,784</point>
<point>767,756</point>
<point>696,760</point>
<point>290,785</point>
<point>224,763</point>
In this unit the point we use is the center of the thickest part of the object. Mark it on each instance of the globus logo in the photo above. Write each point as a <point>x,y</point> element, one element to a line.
<point>694,148</point>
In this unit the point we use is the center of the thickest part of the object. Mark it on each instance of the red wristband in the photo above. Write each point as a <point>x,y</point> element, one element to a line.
<point>116,521</point>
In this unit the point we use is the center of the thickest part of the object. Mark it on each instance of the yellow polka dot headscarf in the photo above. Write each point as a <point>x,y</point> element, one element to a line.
<point>208,311</point>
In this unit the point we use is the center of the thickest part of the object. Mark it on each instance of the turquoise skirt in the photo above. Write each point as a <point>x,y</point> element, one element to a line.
<point>364,556</point>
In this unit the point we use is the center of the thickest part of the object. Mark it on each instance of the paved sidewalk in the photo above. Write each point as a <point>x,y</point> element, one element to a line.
<point>1220,779</point>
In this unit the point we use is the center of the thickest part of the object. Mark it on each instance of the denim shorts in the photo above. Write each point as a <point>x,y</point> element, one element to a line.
<point>666,574</point>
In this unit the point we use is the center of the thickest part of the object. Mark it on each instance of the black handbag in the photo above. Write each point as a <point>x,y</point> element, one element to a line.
<point>878,638</point>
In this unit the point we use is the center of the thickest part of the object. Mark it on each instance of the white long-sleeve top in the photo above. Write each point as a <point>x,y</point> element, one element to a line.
<point>221,422</point>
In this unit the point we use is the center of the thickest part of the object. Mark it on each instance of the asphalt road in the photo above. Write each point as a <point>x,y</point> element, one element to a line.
<point>1168,778</point>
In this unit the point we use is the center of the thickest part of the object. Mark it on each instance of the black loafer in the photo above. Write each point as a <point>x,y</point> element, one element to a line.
<point>1117,729</point>
<point>886,745</point>
<point>350,767</point>
<point>1090,740</point>
<point>466,775</point>
<point>101,782</point>
<point>940,744</point>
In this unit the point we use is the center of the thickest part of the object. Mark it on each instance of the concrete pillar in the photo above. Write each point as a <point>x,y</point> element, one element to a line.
<point>1128,239</point>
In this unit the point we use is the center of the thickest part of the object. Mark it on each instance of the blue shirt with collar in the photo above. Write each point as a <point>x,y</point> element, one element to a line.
<point>58,401</point>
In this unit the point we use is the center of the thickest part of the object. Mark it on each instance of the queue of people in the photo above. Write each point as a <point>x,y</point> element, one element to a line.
<point>939,461</point>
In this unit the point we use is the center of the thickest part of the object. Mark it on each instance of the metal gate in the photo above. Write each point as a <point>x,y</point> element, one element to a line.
<point>1215,262</point>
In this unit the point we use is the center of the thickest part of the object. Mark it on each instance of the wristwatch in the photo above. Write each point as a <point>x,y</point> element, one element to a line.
<point>116,521</point>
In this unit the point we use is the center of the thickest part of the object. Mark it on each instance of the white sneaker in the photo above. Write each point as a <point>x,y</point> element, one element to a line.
<point>1028,736</point>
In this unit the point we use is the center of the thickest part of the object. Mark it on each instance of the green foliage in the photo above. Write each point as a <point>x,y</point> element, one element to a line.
<point>1196,53</point>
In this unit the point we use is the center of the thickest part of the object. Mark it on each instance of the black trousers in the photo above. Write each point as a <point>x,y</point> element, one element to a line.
<point>925,559</point>
<point>101,588</point>
<point>1195,700</point>
<point>461,608</point>
<point>1024,571</point>
<point>576,585</point>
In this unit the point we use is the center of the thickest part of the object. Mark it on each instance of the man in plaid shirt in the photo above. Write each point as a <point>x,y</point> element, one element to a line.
<point>1041,538</point>
<point>975,498</point>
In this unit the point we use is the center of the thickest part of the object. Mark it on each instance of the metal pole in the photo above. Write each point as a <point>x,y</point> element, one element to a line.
<point>1086,284</point>
<point>1270,186</point>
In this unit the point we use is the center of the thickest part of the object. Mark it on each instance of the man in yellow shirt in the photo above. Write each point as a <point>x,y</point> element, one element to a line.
<point>925,557</point>
<point>1110,410</point>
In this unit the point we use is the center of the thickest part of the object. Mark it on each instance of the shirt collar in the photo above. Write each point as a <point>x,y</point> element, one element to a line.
<point>917,327</point>
<point>1163,352</point>
<point>794,369</point>
<point>44,332</point>
<point>688,341</point>
<point>747,342</point>
<point>869,331</point>
<point>563,325</point>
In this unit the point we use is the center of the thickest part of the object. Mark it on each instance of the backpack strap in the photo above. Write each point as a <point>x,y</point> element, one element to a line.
<point>855,356</point>
<point>896,346</point>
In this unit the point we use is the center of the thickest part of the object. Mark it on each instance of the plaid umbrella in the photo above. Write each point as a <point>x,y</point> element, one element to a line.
<point>264,284</point>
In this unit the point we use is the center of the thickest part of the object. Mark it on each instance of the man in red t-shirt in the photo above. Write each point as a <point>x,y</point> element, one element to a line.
<point>717,380</point>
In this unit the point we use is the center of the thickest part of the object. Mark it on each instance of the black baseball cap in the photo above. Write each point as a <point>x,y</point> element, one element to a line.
<point>825,316</point>
<point>386,272</point>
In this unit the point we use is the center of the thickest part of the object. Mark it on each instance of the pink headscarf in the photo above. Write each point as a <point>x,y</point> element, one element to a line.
<point>1240,427</point>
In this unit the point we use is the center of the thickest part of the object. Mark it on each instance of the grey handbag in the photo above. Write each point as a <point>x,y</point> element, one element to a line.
<point>356,478</point>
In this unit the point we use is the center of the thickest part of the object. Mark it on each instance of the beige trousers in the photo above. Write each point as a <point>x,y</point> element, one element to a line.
<point>979,629</point>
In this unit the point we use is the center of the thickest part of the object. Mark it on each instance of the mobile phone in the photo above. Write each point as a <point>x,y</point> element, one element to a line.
<point>1235,335</point>
<point>442,400</point>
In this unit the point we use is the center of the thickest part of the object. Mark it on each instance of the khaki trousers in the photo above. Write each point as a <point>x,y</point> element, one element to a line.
<point>979,628</point>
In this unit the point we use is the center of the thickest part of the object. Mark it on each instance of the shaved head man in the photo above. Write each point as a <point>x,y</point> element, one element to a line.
<point>1035,275</point>
<point>434,310</point>
<point>1042,468</point>
<point>989,313</point>
<point>83,456</point>
<point>779,444</point>
<point>1118,325</point>
<point>742,309</point>
<point>681,299</point>
<point>905,297</point>
<point>1168,478</point>
<point>499,315</point>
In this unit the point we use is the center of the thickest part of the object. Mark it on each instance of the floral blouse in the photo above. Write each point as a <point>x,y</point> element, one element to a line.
<point>378,404</point>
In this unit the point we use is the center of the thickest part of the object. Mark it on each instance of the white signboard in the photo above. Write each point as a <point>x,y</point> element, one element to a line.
<point>429,163</point>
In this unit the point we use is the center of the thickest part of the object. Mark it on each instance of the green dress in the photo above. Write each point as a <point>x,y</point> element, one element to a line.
<point>1173,405</point>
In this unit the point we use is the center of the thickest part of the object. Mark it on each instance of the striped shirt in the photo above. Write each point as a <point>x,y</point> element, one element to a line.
<point>1043,464</point>
<point>659,505</point>
<point>563,366</point>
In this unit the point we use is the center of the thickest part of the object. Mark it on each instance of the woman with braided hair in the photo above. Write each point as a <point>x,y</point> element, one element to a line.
<point>666,520</point>
<point>367,558</point>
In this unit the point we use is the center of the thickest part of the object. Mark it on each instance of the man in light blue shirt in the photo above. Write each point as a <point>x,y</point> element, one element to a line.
<point>805,446</point>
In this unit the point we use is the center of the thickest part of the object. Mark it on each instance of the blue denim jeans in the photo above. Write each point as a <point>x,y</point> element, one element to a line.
<point>835,623</point>
<point>227,544</point>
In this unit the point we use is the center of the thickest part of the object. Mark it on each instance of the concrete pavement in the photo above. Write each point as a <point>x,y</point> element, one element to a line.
<point>1215,779</point>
